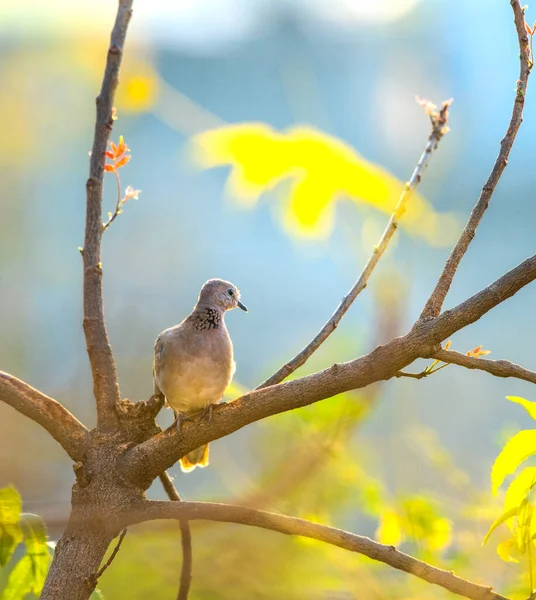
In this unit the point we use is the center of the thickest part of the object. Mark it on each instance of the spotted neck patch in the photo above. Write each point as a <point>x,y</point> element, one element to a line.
<point>207,318</point>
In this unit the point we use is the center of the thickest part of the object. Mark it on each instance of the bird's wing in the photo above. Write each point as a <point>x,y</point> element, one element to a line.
<point>159,353</point>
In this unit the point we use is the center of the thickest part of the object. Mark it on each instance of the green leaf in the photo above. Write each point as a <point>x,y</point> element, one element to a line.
<point>35,539</point>
<point>35,533</point>
<point>20,580</point>
<point>10,532</point>
<point>529,406</point>
<point>512,512</point>
<point>517,449</point>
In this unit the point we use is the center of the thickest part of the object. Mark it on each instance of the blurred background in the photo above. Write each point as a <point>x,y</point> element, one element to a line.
<point>406,461</point>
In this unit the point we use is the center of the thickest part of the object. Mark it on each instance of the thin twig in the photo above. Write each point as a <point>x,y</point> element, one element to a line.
<point>420,375</point>
<point>117,210</point>
<point>112,556</point>
<point>186,539</point>
<point>186,570</point>
<point>105,382</point>
<point>64,427</point>
<point>426,373</point>
<point>439,121</point>
<point>499,368</point>
<point>169,487</point>
<point>437,298</point>
<point>293,526</point>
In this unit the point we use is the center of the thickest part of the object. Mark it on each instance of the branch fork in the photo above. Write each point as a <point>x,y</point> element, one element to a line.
<point>115,464</point>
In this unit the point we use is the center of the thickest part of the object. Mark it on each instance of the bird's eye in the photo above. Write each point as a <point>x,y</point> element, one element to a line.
<point>230,291</point>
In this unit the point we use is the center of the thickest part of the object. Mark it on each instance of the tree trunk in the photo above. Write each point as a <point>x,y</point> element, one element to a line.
<point>77,558</point>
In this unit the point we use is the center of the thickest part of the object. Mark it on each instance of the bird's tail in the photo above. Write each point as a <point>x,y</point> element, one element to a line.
<point>195,458</point>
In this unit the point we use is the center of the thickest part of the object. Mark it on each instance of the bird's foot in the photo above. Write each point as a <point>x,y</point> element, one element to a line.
<point>207,411</point>
<point>181,417</point>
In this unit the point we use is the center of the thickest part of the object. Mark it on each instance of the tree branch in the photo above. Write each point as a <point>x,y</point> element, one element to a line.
<point>105,382</point>
<point>186,538</point>
<point>100,572</point>
<point>499,368</point>
<point>330,535</point>
<point>436,300</point>
<point>479,304</point>
<point>65,428</point>
<point>439,121</point>
<point>147,460</point>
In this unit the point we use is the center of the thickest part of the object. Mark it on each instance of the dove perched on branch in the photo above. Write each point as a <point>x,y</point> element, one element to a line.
<point>193,361</point>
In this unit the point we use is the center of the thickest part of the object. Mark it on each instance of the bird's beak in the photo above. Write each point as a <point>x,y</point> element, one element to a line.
<point>242,306</point>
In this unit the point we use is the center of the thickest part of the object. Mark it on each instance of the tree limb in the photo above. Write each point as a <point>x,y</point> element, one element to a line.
<point>65,428</point>
<point>499,368</point>
<point>105,382</point>
<point>479,304</point>
<point>186,538</point>
<point>100,572</point>
<point>147,460</point>
<point>150,511</point>
<point>439,121</point>
<point>435,302</point>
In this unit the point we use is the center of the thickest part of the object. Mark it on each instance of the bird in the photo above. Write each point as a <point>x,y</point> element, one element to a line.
<point>193,361</point>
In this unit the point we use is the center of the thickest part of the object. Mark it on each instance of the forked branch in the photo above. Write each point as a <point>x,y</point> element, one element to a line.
<point>439,127</point>
<point>147,460</point>
<point>436,300</point>
<point>65,428</point>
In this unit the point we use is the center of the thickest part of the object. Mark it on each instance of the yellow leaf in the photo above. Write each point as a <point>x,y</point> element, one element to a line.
<point>517,449</point>
<point>529,406</point>
<point>324,169</point>
<point>424,524</point>
<point>259,156</point>
<point>508,514</point>
<point>310,210</point>
<point>524,525</point>
<point>440,535</point>
<point>389,531</point>
<point>504,549</point>
<point>520,488</point>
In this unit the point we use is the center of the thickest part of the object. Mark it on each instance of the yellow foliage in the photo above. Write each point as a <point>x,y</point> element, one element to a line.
<point>390,530</point>
<point>529,406</point>
<point>416,519</point>
<point>520,487</point>
<point>519,501</point>
<point>506,549</point>
<point>507,515</point>
<point>517,449</point>
<point>426,525</point>
<point>322,169</point>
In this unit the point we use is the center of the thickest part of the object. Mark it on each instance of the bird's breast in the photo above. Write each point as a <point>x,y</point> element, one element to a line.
<point>196,381</point>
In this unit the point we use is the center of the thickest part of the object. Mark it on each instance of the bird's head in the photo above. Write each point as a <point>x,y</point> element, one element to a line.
<point>221,295</point>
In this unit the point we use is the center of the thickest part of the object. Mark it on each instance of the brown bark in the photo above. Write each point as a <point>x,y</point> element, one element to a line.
<point>105,382</point>
<point>76,560</point>
<point>145,461</point>
<point>116,462</point>
<point>50,414</point>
